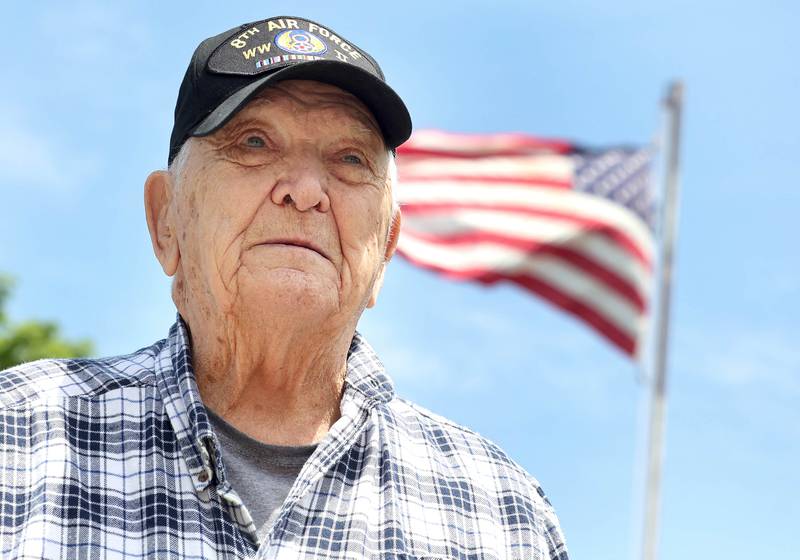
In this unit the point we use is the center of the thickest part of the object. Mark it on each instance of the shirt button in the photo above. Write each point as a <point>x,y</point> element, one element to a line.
<point>203,476</point>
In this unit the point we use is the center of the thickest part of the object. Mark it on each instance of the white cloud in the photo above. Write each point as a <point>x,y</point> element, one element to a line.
<point>101,34</point>
<point>30,156</point>
<point>739,357</point>
<point>483,348</point>
<point>754,372</point>
<point>405,361</point>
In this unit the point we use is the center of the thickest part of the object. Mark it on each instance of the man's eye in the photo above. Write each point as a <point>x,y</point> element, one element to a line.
<point>255,142</point>
<point>352,158</point>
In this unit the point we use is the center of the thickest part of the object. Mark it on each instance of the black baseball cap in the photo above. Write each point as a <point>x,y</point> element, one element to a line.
<point>227,70</point>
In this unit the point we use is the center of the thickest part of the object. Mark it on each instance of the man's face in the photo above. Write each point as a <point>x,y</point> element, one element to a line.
<point>287,206</point>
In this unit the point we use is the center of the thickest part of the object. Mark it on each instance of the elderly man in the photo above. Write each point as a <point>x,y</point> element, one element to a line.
<point>263,425</point>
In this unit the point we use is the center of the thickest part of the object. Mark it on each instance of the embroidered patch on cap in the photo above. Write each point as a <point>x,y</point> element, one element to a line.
<point>300,42</point>
<point>260,46</point>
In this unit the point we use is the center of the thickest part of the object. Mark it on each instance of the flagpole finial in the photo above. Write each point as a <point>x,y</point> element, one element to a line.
<point>674,96</point>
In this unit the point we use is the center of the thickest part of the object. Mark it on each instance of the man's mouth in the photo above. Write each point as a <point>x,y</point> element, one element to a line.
<point>301,243</point>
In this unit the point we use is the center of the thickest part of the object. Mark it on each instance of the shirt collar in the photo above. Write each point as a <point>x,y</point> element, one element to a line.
<point>181,397</point>
<point>366,385</point>
<point>366,375</point>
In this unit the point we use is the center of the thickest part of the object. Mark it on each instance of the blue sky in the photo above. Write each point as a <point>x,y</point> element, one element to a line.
<point>86,106</point>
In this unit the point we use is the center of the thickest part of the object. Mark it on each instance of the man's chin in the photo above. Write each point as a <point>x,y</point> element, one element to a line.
<point>297,290</point>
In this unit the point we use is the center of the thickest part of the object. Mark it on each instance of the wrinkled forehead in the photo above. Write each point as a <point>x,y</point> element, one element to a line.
<point>308,96</point>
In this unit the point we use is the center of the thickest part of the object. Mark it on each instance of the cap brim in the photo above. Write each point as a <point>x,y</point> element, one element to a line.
<point>385,105</point>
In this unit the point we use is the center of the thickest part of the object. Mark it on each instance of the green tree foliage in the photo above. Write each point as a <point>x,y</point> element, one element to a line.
<point>32,340</point>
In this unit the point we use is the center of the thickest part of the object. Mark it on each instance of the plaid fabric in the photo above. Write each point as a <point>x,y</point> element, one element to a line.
<point>115,458</point>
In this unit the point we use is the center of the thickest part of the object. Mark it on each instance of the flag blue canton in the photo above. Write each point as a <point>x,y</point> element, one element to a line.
<point>622,176</point>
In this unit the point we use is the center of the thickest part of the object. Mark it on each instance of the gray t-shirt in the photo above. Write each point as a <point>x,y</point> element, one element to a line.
<point>262,474</point>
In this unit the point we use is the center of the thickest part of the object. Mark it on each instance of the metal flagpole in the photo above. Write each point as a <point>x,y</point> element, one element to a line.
<point>658,399</point>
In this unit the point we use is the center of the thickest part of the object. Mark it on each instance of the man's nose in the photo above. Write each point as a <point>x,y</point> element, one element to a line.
<point>304,187</point>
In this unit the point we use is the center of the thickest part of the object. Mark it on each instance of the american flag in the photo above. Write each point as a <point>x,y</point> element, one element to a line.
<point>573,225</point>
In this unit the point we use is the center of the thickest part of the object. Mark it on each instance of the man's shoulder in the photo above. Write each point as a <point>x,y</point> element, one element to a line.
<point>473,479</point>
<point>461,449</point>
<point>76,377</point>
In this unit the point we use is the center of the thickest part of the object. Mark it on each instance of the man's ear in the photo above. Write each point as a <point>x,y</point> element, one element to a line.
<point>158,190</point>
<point>391,245</point>
<point>394,234</point>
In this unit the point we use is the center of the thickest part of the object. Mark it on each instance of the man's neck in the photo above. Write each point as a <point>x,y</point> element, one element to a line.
<point>282,391</point>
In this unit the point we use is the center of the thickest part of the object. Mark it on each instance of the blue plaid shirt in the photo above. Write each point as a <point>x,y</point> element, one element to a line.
<point>115,458</point>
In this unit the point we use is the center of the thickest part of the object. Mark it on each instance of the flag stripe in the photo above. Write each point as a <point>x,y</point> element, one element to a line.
<point>489,179</point>
<point>621,339</point>
<point>434,143</point>
<point>506,260</point>
<point>613,281</point>
<point>552,167</point>
<point>580,205</point>
<point>588,240</point>
<point>606,229</point>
